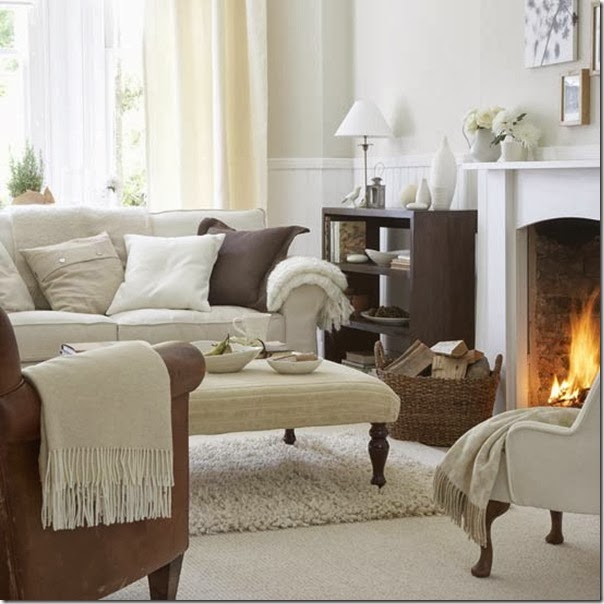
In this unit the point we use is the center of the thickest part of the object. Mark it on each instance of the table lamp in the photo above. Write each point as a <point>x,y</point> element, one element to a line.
<point>366,120</point>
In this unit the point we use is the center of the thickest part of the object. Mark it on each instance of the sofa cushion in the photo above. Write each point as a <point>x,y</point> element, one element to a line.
<point>160,325</point>
<point>167,272</point>
<point>177,223</point>
<point>14,295</point>
<point>40,333</point>
<point>245,261</point>
<point>81,275</point>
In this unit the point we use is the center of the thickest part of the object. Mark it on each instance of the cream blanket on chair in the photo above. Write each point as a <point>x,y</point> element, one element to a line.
<point>465,478</point>
<point>302,270</point>
<point>106,436</point>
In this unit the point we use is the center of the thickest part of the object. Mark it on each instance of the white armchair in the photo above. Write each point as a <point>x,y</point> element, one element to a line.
<point>550,467</point>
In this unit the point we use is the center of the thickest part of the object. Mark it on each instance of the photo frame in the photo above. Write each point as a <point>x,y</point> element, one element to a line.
<point>596,44</point>
<point>550,32</point>
<point>574,101</point>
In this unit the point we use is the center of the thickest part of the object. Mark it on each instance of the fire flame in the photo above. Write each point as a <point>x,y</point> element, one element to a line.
<point>584,356</point>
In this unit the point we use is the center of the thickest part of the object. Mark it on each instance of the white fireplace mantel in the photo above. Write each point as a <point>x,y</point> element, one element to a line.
<point>510,197</point>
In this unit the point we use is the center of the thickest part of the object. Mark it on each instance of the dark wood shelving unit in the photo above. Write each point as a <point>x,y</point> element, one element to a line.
<point>442,277</point>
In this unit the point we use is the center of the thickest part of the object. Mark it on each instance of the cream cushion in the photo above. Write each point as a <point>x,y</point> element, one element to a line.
<point>257,398</point>
<point>14,295</point>
<point>80,275</point>
<point>160,325</point>
<point>40,333</point>
<point>167,272</point>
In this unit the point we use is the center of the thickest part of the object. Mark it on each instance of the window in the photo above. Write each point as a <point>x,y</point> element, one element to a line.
<point>13,88</point>
<point>71,83</point>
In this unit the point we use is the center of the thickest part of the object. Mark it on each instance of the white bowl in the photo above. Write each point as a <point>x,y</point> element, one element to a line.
<point>231,362</point>
<point>384,258</point>
<point>290,367</point>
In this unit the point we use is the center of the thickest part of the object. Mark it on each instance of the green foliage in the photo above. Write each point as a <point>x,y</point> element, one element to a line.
<point>7,28</point>
<point>129,95</point>
<point>134,190</point>
<point>26,174</point>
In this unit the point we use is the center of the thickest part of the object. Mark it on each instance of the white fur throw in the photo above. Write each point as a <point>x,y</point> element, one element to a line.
<point>301,270</point>
<point>465,478</point>
<point>105,436</point>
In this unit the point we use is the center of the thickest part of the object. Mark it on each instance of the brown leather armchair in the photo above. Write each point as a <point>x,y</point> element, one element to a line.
<point>92,562</point>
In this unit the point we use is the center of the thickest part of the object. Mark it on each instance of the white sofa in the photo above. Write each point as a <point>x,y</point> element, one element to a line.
<point>41,332</point>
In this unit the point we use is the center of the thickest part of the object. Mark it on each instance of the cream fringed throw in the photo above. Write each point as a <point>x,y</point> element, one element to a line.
<point>301,270</point>
<point>106,436</point>
<point>465,478</point>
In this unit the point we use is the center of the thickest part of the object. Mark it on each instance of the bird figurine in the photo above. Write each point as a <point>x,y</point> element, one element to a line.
<point>351,198</point>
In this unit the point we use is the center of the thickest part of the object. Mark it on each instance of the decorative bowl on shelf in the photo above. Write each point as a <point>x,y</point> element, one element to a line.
<point>230,362</point>
<point>384,258</point>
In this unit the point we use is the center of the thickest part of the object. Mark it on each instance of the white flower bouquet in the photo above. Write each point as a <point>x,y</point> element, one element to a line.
<point>512,123</point>
<point>482,118</point>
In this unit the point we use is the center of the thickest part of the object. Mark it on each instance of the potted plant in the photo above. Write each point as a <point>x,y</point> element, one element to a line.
<point>26,176</point>
<point>515,134</point>
<point>479,123</point>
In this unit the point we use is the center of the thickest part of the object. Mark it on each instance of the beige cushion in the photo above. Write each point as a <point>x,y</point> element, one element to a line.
<point>14,295</point>
<point>257,398</point>
<point>40,333</point>
<point>81,275</point>
<point>160,325</point>
<point>167,272</point>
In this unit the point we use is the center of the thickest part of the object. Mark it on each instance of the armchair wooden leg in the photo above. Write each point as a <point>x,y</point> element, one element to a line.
<point>483,567</point>
<point>163,583</point>
<point>555,536</point>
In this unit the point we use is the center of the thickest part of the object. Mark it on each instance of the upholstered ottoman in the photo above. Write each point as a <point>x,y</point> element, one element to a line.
<point>257,398</point>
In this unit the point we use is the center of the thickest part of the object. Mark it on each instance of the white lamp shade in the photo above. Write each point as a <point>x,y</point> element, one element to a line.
<point>364,119</point>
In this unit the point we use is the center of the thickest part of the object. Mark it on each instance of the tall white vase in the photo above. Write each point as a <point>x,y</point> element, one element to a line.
<point>422,196</point>
<point>443,177</point>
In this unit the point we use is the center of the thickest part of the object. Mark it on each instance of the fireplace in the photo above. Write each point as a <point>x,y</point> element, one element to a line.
<point>518,203</point>
<point>563,310</point>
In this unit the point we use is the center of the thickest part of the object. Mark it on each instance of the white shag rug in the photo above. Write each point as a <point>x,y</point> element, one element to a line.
<point>257,483</point>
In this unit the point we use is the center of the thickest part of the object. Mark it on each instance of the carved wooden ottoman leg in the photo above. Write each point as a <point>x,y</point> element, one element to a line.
<point>555,536</point>
<point>289,438</point>
<point>378,452</point>
<point>483,567</point>
<point>163,583</point>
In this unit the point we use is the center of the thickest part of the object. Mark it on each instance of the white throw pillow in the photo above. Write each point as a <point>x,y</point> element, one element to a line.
<point>14,295</point>
<point>167,272</point>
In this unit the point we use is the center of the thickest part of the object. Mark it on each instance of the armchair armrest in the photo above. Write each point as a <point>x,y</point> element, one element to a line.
<point>562,461</point>
<point>20,407</point>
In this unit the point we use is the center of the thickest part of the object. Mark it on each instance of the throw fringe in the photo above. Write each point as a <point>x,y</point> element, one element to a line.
<point>455,503</point>
<point>88,487</point>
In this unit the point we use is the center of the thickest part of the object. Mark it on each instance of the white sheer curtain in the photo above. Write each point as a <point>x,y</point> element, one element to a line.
<point>206,96</point>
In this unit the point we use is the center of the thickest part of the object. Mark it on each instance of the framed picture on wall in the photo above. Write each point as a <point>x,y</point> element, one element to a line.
<point>574,103</point>
<point>596,45</point>
<point>550,32</point>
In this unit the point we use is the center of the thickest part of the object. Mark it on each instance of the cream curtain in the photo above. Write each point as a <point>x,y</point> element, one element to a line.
<point>206,96</point>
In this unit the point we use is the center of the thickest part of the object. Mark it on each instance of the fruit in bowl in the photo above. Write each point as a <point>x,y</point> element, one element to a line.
<point>226,356</point>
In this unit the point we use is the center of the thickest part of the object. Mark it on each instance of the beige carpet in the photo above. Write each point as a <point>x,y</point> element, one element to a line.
<point>256,482</point>
<point>415,558</point>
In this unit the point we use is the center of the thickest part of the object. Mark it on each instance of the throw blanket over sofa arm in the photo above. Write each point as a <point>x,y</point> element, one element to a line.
<point>90,562</point>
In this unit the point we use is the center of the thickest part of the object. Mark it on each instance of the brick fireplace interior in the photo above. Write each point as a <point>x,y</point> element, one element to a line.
<point>563,271</point>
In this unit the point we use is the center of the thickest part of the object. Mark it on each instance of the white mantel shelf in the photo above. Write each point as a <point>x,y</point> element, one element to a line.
<point>533,165</point>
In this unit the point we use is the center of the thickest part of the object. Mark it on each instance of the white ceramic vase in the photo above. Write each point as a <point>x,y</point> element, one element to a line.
<point>512,150</point>
<point>423,198</point>
<point>481,149</point>
<point>443,177</point>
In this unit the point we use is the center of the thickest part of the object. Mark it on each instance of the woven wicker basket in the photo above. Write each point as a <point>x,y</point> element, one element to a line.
<point>437,411</point>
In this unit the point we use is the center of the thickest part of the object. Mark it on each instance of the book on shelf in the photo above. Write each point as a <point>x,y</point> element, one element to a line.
<point>364,368</point>
<point>364,357</point>
<point>346,237</point>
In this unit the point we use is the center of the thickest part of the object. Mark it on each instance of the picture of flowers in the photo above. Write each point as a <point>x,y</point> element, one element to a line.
<point>550,32</point>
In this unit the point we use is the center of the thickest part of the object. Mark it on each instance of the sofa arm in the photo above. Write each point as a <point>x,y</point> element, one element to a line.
<point>300,311</point>
<point>20,408</point>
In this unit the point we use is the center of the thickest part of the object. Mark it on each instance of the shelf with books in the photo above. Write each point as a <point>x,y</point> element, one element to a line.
<point>439,268</point>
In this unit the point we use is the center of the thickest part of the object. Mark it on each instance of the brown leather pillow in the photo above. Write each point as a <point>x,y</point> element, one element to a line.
<point>245,261</point>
